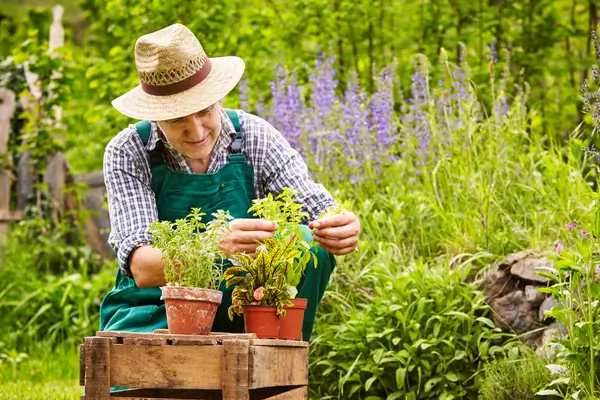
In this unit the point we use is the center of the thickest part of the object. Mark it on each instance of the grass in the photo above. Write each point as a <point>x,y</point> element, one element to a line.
<point>42,373</point>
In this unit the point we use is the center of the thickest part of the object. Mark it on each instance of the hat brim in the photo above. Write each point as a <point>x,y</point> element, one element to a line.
<point>225,74</point>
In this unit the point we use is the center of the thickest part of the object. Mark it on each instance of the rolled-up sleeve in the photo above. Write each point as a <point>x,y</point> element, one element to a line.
<point>131,201</point>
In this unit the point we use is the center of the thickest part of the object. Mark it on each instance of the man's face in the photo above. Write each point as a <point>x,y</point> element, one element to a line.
<point>194,135</point>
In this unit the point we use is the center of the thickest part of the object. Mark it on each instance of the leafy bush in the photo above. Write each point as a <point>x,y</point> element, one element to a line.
<point>45,307</point>
<point>423,334</point>
<point>515,379</point>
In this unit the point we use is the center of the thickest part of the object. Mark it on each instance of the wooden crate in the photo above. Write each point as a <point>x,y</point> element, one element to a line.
<point>176,367</point>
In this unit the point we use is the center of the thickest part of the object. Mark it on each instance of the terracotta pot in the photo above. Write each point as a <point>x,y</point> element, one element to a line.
<point>261,320</point>
<point>190,311</point>
<point>291,324</point>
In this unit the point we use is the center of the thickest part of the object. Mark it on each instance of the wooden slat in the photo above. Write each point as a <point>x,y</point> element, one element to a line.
<point>278,343</point>
<point>163,398</point>
<point>212,335</point>
<point>81,365</point>
<point>6,216</point>
<point>167,394</point>
<point>97,371</point>
<point>174,367</point>
<point>7,108</point>
<point>299,393</point>
<point>145,341</point>
<point>278,366</point>
<point>235,369</point>
<point>183,340</point>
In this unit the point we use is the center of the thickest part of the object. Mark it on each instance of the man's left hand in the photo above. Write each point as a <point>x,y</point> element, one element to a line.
<point>338,234</point>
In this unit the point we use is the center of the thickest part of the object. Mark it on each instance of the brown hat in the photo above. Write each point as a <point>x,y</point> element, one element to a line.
<point>177,78</point>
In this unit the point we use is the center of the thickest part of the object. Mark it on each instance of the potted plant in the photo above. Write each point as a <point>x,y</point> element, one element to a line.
<point>262,292</point>
<point>192,272</point>
<point>266,285</point>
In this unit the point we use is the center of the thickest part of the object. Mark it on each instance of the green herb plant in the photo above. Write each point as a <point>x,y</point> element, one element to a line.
<point>191,249</point>
<point>289,216</point>
<point>271,278</point>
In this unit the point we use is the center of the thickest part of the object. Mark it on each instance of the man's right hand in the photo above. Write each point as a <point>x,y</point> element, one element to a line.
<point>243,234</point>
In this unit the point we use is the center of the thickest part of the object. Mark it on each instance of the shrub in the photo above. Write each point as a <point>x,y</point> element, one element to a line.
<point>423,334</point>
<point>53,308</point>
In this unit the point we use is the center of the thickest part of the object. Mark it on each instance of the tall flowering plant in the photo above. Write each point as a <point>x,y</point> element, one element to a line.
<point>576,287</point>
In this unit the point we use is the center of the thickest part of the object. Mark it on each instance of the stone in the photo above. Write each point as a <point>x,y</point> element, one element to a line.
<point>554,330</point>
<point>547,306</point>
<point>496,282</point>
<point>533,296</point>
<point>514,313</point>
<point>527,268</point>
<point>513,258</point>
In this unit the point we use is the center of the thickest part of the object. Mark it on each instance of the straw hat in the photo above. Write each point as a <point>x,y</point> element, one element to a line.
<point>177,78</point>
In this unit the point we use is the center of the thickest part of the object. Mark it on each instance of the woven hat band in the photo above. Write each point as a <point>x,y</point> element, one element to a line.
<point>181,86</point>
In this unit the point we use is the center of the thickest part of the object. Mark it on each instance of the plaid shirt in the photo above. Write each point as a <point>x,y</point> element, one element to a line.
<point>131,201</point>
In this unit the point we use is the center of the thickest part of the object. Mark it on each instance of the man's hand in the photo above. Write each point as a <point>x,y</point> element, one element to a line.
<point>338,234</point>
<point>243,234</point>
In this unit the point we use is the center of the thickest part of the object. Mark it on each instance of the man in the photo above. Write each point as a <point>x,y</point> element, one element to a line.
<point>196,154</point>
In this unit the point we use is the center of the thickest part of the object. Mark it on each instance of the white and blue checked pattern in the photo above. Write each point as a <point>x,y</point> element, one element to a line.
<point>131,202</point>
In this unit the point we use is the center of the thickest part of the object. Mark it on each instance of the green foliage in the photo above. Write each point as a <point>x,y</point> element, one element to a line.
<point>58,308</point>
<point>515,379</point>
<point>424,333</point>
<point>576,286</point>
<point>548,41</point>
<point>191,249</point>
<point>401,317</point>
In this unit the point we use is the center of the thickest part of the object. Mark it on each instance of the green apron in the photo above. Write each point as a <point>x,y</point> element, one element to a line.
<point>129,308</point>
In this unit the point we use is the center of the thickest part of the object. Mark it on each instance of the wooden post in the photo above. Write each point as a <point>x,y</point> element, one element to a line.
<point>7,108</point>
<point>56,170</point>
<point>97,368</point>
<point>235,369</point>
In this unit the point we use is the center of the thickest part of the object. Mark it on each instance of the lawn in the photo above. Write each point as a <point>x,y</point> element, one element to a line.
<point>43,374</point>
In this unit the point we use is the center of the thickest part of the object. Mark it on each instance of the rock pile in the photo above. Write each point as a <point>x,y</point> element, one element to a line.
<point>511,291</point>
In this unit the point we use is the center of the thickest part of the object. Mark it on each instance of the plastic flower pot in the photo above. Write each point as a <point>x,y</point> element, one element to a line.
<point>190,311</point>
<point>261,320</point>
<point>291,324</point>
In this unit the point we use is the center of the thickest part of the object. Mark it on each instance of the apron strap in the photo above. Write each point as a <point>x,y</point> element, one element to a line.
<point>144,129</point>
<point>236,146</point>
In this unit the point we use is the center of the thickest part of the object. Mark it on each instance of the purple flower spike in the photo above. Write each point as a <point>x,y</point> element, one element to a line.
<point>571,225</point>
<point>558,247</point>
<point>244,95</point>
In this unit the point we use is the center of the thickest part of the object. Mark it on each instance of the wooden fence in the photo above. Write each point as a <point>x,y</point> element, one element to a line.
<point>57,175</point>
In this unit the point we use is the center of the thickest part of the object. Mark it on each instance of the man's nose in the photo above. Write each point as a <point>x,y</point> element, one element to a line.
<point>196,126</point>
